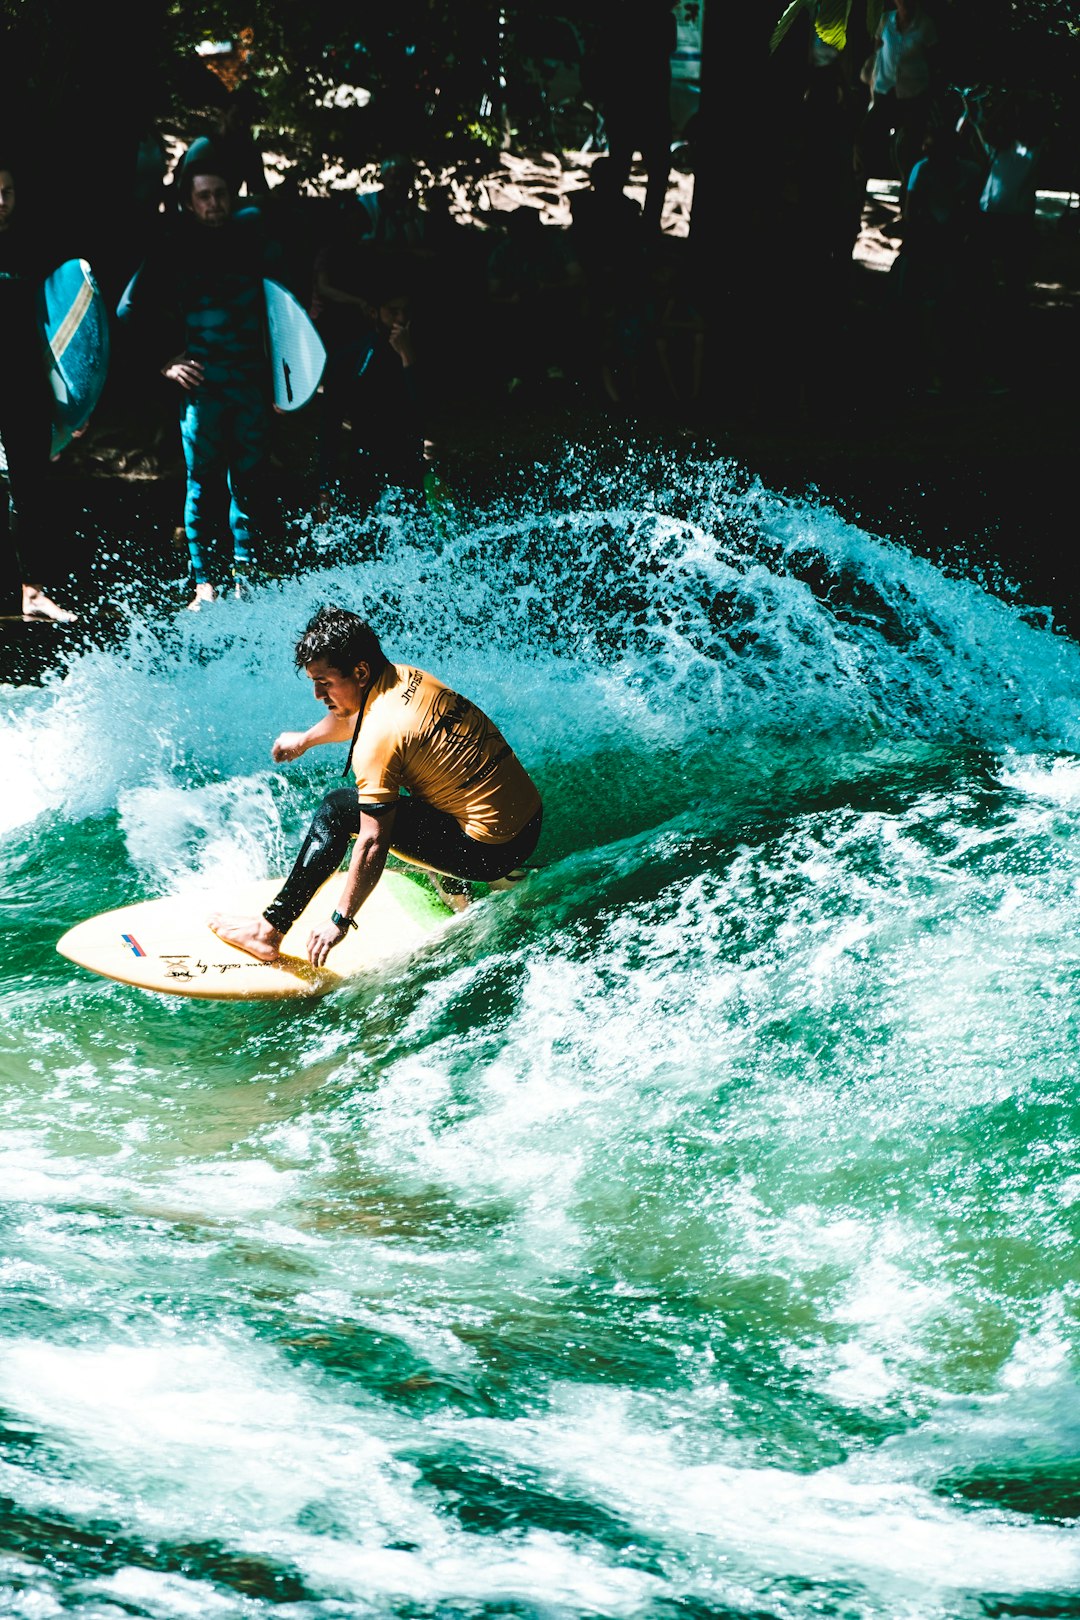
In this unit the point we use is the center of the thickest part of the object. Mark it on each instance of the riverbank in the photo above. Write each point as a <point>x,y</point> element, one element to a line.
<point>974,477</point>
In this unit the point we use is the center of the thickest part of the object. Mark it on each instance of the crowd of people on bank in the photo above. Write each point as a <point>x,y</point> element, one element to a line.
<point>408,301</point>
<point>967,162</point>
<point>411,306</point>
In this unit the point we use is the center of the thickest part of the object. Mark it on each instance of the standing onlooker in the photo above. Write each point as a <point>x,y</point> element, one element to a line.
<point>607,241</point>
<point>206,276</point>
<point>374,385</point>
<point>902,79</point>
<point>682,331</point>
<point>233,139</point>
<point>631,80</point>
<point>1012,142</point>
<point>25,410</point>
<point>393,217</point>
<point>933,271</point>
<point>1007,203</point>
<point>340,307</point>
<point>136,216</point>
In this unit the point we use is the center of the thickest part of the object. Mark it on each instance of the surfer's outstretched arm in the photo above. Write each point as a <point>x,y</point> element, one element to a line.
<point>365,869</point>
<point>330,729</point>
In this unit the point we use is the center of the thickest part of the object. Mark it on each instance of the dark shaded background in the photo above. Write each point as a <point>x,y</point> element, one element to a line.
<point>989,478</point>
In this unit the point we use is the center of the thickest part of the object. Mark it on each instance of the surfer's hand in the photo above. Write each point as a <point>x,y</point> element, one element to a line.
<point>290,745</point>
<point>321,942</point>
<point>188,373</point>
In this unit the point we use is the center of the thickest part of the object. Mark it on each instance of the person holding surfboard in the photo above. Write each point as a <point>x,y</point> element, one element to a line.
<point>436,785</point>
<point>207,276</point>
<point>26,404</point>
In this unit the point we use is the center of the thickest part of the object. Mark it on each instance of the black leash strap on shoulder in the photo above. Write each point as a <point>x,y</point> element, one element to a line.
<point>356,731</point>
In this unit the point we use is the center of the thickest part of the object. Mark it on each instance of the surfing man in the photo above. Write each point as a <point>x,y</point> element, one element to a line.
<point>26,407</point>
<point>207,274</point>
<point>436,784</point>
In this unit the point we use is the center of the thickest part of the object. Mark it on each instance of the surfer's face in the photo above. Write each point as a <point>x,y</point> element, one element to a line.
<point>7,197</point>
<point>341,690</point>
<point>210,201</point>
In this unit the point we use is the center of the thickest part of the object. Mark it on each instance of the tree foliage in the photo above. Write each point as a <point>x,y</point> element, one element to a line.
<point>448,81</point>
<point>338,85</point>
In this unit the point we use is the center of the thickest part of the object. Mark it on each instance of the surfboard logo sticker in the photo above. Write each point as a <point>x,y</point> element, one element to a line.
<point>132,944</point>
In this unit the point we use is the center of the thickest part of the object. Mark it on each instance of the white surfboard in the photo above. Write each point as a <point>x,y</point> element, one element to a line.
<point>167,945</point>
<point>76,327</point>
<point>296,349</point>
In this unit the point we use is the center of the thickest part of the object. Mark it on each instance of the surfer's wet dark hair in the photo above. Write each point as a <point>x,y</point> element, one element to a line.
<point>343,639</point>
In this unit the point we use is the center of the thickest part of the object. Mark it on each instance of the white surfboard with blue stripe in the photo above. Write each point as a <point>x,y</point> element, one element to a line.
<point>76,327</point>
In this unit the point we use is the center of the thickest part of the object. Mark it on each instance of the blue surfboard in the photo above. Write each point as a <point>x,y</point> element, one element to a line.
<point>76,327</point>
<point>296,349</point>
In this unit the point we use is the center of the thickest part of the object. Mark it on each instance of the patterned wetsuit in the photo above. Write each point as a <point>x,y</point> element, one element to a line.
<point>211,279</point>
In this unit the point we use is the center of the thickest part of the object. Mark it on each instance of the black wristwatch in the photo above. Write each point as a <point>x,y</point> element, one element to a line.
<point>342,922</point>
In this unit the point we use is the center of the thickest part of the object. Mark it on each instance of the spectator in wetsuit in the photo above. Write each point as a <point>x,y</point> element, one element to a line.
<point>26,412</point>
<point>203,280</point>
<point>375,385</point>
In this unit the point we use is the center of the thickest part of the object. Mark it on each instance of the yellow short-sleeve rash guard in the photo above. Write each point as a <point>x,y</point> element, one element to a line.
<point>416,734</point>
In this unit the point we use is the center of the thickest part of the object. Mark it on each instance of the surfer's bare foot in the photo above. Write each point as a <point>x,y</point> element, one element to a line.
<point>251,934</point>
<point>204,594</point>
<point>36,605</point>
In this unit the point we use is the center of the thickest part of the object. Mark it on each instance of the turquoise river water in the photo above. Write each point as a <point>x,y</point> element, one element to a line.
<point>692,1232</point>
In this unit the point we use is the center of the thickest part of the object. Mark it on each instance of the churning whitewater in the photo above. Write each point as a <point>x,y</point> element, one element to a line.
<point>691,1231</point>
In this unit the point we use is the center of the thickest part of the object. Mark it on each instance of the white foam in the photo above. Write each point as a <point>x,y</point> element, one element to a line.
<point>712,1097</point>
<point>194,838</point>
<point>889,1534</point>
<point>213,1438</point>
<point>575,633</point>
